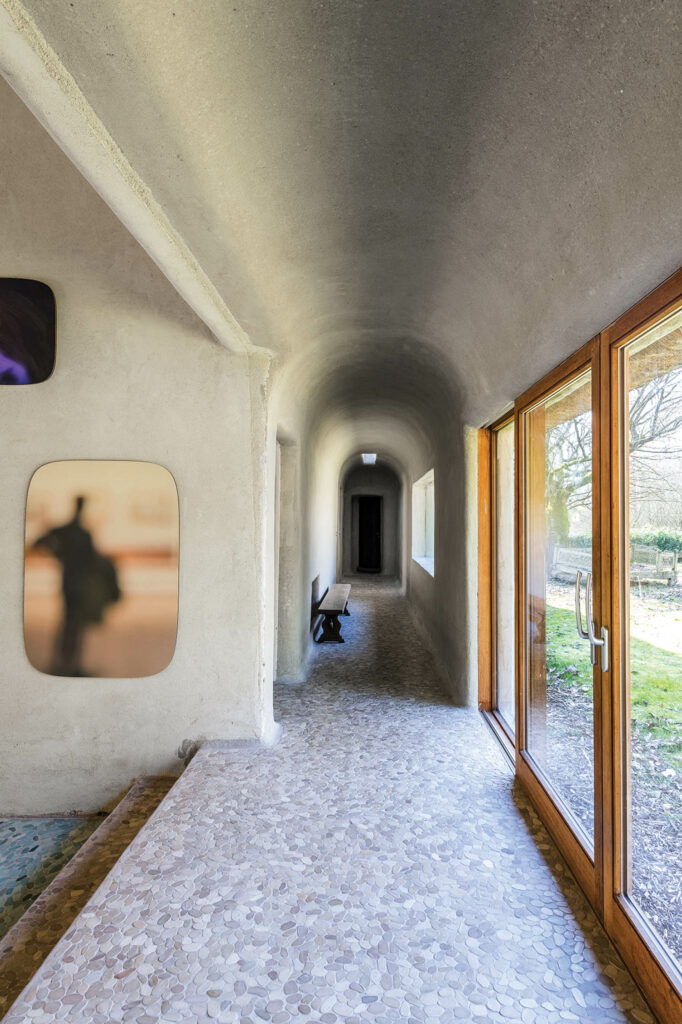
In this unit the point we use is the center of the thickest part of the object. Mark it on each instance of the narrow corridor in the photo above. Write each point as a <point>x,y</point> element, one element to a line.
<point>374,866</point>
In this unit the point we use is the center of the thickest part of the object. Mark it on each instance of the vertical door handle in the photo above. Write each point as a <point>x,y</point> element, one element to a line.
<point>603,640</point>
<point>582,633</point>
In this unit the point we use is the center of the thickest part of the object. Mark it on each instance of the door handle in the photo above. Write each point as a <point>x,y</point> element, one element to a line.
<point>582,633</point>
<point>601,641</point>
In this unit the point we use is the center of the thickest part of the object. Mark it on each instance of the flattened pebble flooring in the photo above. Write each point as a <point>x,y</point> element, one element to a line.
<point>76,866</point>
<point>32,852</point>
<point>375,866</point>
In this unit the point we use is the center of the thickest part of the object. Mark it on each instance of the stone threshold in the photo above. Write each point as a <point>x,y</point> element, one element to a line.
<point>30,939</point>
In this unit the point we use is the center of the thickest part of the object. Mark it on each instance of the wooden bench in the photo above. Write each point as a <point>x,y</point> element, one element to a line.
<point>333,604</point>
<point>567,561</point>
<point>649,564</point>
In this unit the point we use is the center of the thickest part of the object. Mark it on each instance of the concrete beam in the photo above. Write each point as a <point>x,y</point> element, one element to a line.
<point>41,80</point>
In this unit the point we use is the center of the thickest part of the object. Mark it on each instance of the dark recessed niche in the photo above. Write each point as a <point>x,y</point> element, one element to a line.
<point>27,331</point>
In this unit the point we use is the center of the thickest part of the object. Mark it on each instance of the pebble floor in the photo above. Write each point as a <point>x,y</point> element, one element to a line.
<point>31,938</point>
<point>32,852</point>
<point>375,866</point>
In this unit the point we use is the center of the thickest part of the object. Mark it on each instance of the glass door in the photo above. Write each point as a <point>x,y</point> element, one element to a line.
<point>503,605</point>
<point>599,628</point>
<point>564,647</point>
<point>648,683</point>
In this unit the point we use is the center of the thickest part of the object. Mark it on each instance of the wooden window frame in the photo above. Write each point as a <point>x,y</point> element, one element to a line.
<point>655,972</point>
<point>600,876</point>
<point>487,635</point>
<point>583,862</point>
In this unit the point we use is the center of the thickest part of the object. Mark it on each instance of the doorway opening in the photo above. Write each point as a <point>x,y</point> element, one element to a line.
<point>367,510</point>
<point>371,516</point>
<point>288,638</point>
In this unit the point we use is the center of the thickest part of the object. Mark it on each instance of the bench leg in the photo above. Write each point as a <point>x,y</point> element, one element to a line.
<point>331,630</point>
<point>345,611</point>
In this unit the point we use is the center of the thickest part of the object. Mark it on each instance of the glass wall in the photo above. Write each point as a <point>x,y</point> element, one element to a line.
<point>599,624</point>
<point>503,540</point>
<point>558,546</point>
<point>651,380</point>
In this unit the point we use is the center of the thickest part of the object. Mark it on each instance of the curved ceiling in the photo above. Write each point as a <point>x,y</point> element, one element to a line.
<point>355,466</point>
<point>395,440</point>
<point>367,380</point>
<point>491,181</point>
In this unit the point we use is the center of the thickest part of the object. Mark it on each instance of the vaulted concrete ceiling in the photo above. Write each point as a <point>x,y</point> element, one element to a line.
<point>492,180</point>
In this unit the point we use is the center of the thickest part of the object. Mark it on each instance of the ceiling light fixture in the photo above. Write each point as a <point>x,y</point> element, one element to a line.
<point>369,458</point>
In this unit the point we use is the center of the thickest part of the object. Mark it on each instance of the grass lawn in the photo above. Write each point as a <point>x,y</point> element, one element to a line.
<point>656,679</point>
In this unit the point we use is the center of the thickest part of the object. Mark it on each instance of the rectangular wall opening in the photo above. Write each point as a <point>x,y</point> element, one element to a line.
<point>423,522</point>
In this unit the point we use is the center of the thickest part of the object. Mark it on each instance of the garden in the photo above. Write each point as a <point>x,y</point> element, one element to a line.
<point>655,738</point>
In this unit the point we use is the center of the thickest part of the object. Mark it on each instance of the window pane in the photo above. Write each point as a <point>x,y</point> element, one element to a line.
<point>558,543</point>
<point>504,573</point>
<point>423,519</point>
<point>654,620</point>
<point>430,515</point>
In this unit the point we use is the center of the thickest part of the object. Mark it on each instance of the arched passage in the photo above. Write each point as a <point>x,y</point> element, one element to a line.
<point>403,404</point>
<point>371,518</point>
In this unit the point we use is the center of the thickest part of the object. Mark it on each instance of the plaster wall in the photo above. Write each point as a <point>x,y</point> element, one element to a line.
<point>289,518</point>
<point>289,610</point>
<point>440,604</point>
<point>137,377</point>
<point>322,536</point>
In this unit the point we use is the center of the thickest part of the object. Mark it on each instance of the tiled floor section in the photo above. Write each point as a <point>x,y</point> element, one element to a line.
<point>374,867</point>
<point>32,852</point>
<point>29,941</point>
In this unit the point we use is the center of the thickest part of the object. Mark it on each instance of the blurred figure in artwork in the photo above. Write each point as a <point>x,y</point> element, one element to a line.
<point>89,586</point>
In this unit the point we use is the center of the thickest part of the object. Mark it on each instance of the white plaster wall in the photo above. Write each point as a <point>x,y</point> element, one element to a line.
<point>287,428</point>
<point>289,610</point>
<point>323,519</point>
<point>137,377</point>
<point>441,604</point>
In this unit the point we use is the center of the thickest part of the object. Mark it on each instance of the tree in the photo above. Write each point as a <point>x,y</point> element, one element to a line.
<point>655,441</point>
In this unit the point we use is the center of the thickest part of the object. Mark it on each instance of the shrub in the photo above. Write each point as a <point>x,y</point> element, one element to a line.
<point>664,540</point>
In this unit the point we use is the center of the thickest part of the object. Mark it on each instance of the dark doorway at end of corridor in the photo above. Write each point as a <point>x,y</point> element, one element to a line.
<point>367,513</point>
<point>371,520</point>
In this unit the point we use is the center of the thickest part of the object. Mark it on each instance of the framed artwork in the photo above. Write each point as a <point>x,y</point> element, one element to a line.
<point>27,331</point>
<point>101,569</point>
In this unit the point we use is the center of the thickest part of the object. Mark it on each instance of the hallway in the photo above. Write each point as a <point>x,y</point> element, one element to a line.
<point>373,866</point>
<point>388,291</point>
